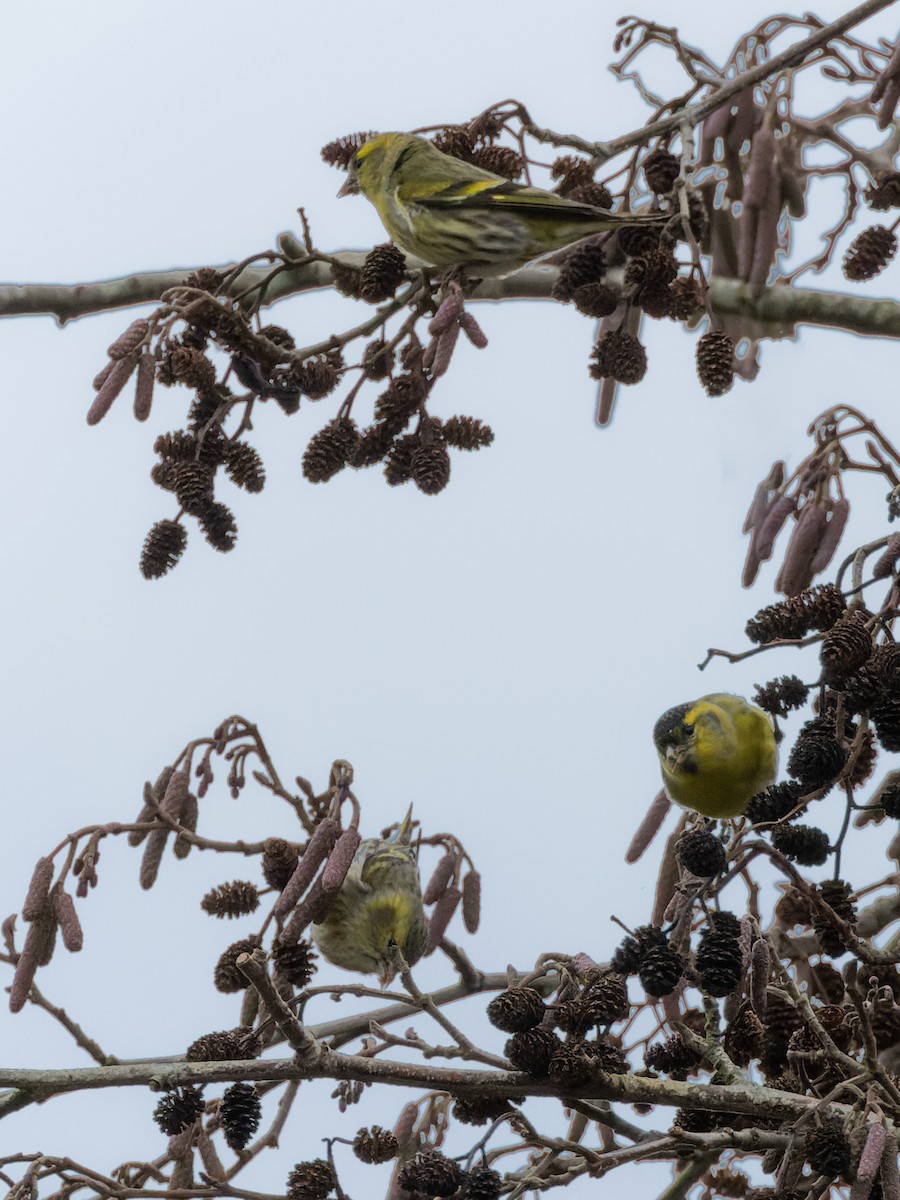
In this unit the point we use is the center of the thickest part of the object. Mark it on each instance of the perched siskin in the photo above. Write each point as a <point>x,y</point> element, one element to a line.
<point>451,213</point>
<point>715,753</point>
<point>377,921</point>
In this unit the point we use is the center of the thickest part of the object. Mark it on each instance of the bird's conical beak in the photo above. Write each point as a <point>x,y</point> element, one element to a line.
<point>350,188</point>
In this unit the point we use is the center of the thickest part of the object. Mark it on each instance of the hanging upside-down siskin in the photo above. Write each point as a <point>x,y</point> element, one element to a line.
<point>716,753</point>
<point>377,924</point>
<point>451,213</point>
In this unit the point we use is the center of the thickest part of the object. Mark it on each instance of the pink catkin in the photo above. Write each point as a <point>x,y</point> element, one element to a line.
<point>471,901</point>
<point>317,850</point>
<point>115,381</point>
<point>840,511</point>
<point>442,916</point>
<point>152,857</point>
<point>759,977</point>
<point>143,388</point>
<point>340,860</point>
<point>869,1162</point>
<point>129,341</point>
<point>473,331</point>
<point>440,878</point>
<point>69,924</point>
<point>649,827</point>
<point>38,889</point>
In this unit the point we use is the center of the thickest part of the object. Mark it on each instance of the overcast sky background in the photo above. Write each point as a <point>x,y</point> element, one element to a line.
<point>497,654</point>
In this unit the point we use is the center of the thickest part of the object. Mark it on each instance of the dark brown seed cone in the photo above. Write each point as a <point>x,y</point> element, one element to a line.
<point>532,1049</point>
<point>719,958</point>
<point>715,362</point>
<point>886,718</point>
<point>685,298</point>
<point>660,970</point>
<point>479,1110</point>
<point>729,1182</point>
<point>890,801</point>
<point>649,278</point>
<point>516,1009</point>
<point>226,976</point>
<point>637,240</point>
<point>701,853</point>
<point>590,193</point>
<point>310,1181</point>
<point>339,152</point>
<point>455,140</point>
<point>571,171</point>
<point>846,646</point>
<point>696,1120</point>
<point>744,1037</point>
<point>193,487</point>
<point>347,280</point>
<point>817,757</point>
<point>572,1016</point>
<point>572,1065</point>
<point>483,1183</point>
<point>295,961</point>
<point>176,447</point>
<point>627,958</point>
<point>827,1151</point>
<point>163,547</point>
<point>329,450</point>
<point>318,377</point>
<point>618,355</point>
<point>585,264</point>
<point>780,696</point>
<point>279,335</point>
<point>467,433</point>
<point>240,1113</point>
<point>803,844</point>
<point>244,467</point>
<point>234,899</point>
<point>606,999</point>
<point>596,299</point>
<point>228,1045</point>
<point>373,444</point>
<point>398,466</point>
<point>279,862</point>
<point>192,368</point>
<point>501,160</point>
<point>375,1145</point>
<point>431,468</point>
<point>869,254</point>
<point>400,401</point>
<point>608,1058</point>
<point>431,1173</point>
<point>885,194</point>
<point>775,803</point>
<point>672,1057</point>
<point>383,271</point>
<point>814,609</point>
<point>178,1110</point>
<point>827,983</point>
<point>219,527</point>
<point>660,170</point>
<point>836,894</point>
<point>377,360</point>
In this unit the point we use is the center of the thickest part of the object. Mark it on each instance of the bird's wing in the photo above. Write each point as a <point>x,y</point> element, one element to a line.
<point>472,194</point>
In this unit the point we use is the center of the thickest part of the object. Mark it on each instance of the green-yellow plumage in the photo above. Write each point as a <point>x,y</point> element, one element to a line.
<point>378,919</point>
<point>448,212</point>
<point>716,753</point>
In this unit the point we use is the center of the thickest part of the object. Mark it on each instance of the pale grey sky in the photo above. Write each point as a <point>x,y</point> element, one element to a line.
<point>496,654</point>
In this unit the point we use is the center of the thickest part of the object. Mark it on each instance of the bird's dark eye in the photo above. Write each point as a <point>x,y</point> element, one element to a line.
<point>355,163</point>
<point>688,729</point>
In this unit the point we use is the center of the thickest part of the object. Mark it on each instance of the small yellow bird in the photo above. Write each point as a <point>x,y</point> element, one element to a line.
<point>377,924</point>
<point>716,753</point>
<point>451,213</point>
